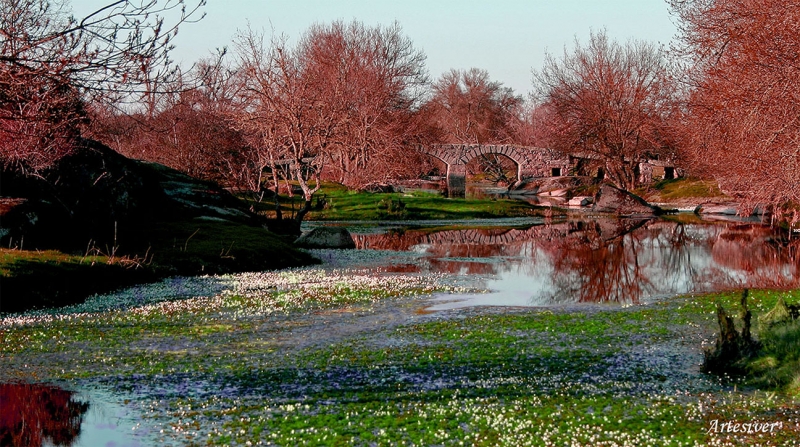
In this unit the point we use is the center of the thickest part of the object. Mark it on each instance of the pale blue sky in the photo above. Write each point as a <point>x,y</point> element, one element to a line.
<point>506,37</point>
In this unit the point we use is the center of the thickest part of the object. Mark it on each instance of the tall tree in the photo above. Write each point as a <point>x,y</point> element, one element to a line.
<point>344,96</point>
<point>291,114</point>
<point>382,78</point>
<point>610,101</point>
<point>743,124</point>
<point>52,63</point>
<point>471,108</point>
<point>468,107</point>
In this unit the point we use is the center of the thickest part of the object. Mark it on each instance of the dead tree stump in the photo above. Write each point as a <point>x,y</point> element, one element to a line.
<point>732,349</point>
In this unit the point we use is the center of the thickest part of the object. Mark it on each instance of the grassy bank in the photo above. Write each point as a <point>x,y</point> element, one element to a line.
<point>38,279</point>
<point>336,202</point>
<point>682,189</point>
<point>339,358</point>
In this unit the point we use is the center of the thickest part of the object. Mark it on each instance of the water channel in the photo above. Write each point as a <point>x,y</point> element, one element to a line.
<point>519,262</point>
<point>597,261</point>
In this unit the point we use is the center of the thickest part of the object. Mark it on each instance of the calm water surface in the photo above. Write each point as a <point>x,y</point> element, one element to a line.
<point>598,261</point>
<point>33,415</point>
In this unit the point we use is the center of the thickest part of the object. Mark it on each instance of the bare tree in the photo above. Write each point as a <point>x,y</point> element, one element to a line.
<point>187,124</point>
<point>382,77</point>
<point>53,63</point>
<point>470,108</point>
<point>289,113</point>
<point>530,122</point>
<point>609,100</point>
<point>743,124</point>
<point>344,96</point>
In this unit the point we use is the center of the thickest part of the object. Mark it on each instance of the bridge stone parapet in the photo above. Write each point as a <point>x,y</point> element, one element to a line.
<point>531,161</point>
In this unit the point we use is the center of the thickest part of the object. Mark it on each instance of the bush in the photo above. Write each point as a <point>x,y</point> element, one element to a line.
<point>392,209</point>
<point>777,365</point>
<point>772,361</point>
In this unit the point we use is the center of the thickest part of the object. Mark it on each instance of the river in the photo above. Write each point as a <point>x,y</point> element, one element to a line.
<point>515,263</point>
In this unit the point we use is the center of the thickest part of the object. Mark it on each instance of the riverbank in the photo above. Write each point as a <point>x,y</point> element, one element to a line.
<point>350,354</point>
<point>336,202</point>
<point>51,278</point>
<point>96,221</point>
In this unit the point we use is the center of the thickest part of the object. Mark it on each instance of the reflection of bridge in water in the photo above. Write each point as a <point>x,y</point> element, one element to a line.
<point>407,239</point>
<point>605,259</point>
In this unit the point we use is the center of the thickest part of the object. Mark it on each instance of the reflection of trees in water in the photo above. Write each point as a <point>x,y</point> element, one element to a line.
<point>442,246</point>
<point>32,414</point>
<point>595,266</point>
<point>614,260</point>
<point>603,265</point>
<point>760,257</point>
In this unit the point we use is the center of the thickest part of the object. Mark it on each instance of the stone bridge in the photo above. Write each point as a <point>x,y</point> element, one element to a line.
<point>531,161</point>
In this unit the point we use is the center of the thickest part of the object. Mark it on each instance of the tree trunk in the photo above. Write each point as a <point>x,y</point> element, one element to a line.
<point>303,211</point>
<point>278,213</point>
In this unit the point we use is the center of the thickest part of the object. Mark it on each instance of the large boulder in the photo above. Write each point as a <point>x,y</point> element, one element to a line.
<point>326,237</point>
<point>551,186</point>
<point>95,195</point>
<point>379,188</point>
<point>623,203</point>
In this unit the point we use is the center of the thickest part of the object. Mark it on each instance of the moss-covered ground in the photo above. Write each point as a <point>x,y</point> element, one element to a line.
<point>336,202</point>
<point>335,357</point>
<point>677,190</point>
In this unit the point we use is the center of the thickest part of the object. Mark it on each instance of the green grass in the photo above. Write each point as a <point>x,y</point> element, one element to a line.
<point>40,279</point>
<point>682,188</point>
<point>520,378</point>
<point>336,202</point>
<point>777,366</point>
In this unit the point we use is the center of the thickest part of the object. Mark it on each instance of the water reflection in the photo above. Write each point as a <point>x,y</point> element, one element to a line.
<point>34,415</point>
<point>603,260</point>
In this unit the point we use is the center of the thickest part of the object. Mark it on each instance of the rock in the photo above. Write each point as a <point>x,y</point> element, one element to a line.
<point>95,194</point>
<point>32,224</point>
<point>614,200</point>
<point>543,186</point>
<point>728,210</point>
<point>555,193</point>
<point>381,188</point>
<point>326,237</point>
<point>580,201</point>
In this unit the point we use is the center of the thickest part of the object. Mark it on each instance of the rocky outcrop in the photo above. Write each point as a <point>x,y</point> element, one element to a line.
<point>551,185</point>
<point>326,237</point>
<point>95,193</point>
<point>378,188</point>
<point>623,203</point>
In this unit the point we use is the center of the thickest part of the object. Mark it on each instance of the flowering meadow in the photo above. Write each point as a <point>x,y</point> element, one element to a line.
<point>347,354</point>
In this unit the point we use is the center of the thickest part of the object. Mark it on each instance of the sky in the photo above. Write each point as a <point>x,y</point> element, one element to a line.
<point>508,38</point>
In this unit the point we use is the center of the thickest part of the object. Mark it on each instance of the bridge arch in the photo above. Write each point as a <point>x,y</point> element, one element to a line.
<point>531,162</point>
